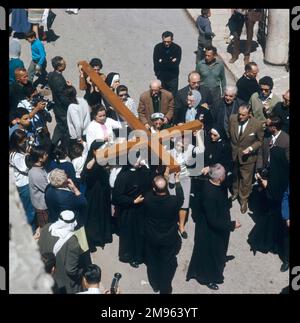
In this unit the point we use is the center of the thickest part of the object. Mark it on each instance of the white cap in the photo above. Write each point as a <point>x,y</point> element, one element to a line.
<point>67,216</point>
<point>157,115</point>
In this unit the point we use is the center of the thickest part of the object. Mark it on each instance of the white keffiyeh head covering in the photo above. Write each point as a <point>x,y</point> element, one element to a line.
<point>63,228</point>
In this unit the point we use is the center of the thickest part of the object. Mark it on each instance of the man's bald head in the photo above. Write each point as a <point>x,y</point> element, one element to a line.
<point>155,85</point>
<point>160,185</point>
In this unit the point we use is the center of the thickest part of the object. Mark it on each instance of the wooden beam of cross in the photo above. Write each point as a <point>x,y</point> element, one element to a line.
<point>136,124</point>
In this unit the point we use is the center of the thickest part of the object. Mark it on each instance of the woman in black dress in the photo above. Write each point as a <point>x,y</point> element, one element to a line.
<point>98,214</point>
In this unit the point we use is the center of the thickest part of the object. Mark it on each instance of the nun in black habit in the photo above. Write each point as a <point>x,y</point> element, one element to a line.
<point>212,231</point>
<point>98,224</point>
<point>128,194</point>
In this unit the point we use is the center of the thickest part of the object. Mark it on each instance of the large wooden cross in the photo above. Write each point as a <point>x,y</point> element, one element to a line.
<point>153,141</point>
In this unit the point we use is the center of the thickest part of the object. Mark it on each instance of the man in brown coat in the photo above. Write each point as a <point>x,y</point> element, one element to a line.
<point>155,100</point>
<point>246,136</point>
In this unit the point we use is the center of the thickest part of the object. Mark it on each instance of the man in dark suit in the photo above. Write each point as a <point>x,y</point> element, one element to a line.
<point>246,136</point>
<point>155,100</point>
<point>162,241</point>
<point>181,104</point>
<point>227,107</point>
<point>278,138</point>
<point>58,84</point>
<point>166,60</point>
<point>282,110</point>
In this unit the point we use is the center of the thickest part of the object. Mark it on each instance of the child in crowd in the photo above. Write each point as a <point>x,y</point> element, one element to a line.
<point>38,63</point>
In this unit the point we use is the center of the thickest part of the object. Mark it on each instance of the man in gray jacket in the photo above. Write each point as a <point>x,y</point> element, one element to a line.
<point>59,238</point>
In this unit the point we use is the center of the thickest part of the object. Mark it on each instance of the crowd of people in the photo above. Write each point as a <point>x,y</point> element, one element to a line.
<point>75,204</point>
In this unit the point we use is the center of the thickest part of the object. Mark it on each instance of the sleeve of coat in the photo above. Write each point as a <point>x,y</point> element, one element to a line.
<point>72,266</point>
<point>223,79</point>
<point>59,89</point>
<point>170,112</point>
<point>156,63</point>
<point>118,196</point>
<point>177,105</point>
<point>142,110</point>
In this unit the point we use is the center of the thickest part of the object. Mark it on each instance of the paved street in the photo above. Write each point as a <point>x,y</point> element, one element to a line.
<point>124,40</point>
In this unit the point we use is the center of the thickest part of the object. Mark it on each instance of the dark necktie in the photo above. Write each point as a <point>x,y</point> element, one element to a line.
<point>241,130</point>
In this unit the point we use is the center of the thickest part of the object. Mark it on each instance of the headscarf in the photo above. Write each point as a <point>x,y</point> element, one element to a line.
<point>191,112</point>
<point>63,228</point>
<point>111,77</point>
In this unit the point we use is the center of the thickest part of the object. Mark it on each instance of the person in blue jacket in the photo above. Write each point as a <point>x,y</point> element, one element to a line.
<point>285,212</point>
<point>38,63</point>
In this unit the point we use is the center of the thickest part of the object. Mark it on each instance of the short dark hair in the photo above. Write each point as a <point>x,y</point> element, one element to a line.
<point>166,34</point>
<point>92,274</point>
<point>56,62</point>
<point>204,12</point>
<point>76,150</point>
<point>20,112</point>
<point>96,62</point>
<point>275,122</point>
<point>49,261</point>
<point>60,152</point>
<point>212,48</point>
<point>266,80</point>
<point>30,34</point>
<point>70,93</point>
<point>248,67</point>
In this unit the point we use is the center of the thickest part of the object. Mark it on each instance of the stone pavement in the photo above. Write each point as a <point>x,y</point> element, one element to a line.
<point>219,19</point>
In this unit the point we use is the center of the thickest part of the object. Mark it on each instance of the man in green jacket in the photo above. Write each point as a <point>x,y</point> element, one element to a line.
<point>212,74</point>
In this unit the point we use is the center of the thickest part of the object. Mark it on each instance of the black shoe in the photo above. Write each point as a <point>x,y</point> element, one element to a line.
<point>93,249</point>
<point>284,267</point>
<point>228,258</point>
<point>184,235</point>
<point>213,286</point>
<point>134,264</point>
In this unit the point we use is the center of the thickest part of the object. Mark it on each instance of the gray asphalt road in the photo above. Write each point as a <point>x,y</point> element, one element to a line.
<point>124,40</point>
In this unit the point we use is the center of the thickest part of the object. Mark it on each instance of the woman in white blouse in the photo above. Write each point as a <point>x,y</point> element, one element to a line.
<point>101,127</point>
<point>17,155</point>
